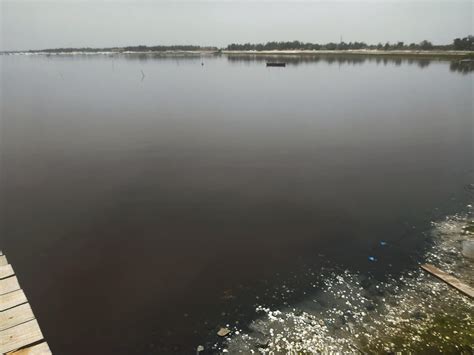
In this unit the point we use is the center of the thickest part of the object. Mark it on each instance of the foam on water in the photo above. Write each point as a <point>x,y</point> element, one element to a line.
<point>353,312</point>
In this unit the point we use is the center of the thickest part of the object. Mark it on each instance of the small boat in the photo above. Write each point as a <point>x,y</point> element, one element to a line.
<point>276,64</point>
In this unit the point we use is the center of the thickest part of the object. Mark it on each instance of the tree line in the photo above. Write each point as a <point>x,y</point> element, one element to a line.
<point>140,48</point>
<point>462,44</point>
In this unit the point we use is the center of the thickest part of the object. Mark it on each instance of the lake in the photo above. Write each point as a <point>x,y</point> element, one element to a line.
<point>149,200</point>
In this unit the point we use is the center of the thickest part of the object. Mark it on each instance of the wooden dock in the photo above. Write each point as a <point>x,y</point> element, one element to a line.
<point>20,333</point>
<point>450,280</point>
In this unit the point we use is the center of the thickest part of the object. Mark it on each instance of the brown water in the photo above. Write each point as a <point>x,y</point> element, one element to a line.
<point>143,212</point>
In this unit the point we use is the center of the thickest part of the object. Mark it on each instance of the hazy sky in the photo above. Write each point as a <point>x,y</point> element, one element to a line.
<point>37,24</point>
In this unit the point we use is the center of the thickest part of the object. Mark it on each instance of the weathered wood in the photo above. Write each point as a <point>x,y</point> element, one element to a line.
<point>8,285</point>
<point>20,336</point>
<point>3,260</point>
<point>40,349</point>
<point>15,316</point>
<point>450,280</point>
<point>12,299</point>
<point>6,271</point>
<point>19,330</point>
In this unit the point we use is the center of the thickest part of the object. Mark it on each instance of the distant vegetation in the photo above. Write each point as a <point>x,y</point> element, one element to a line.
<point>459,44</point>
<point>464,44</point>
<point>168,48</point>
<point>140,48</point>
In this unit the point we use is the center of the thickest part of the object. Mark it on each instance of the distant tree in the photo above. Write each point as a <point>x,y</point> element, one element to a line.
<point>386,46</point>
<point>426,45</point>
<point>464,44</point>
<point>342,46</point>
<point>400,45</point>
<point>359,45</point>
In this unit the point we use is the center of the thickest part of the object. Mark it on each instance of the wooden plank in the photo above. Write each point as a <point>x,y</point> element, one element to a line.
<point>19,329</point>
<point>6,271</point>
<point>40,349</point>
<point>450,280</point>
<point>15,316</point>
<point>8,285</point>
<point>20,336</point>
<point>12,299</point>
<point>3,260</point>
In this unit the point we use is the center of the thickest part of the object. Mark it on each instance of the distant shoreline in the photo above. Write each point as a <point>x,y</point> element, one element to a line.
<point>361,52</point>
<point>448,54</point>
<point>367,52</point>
<point>108,52</point>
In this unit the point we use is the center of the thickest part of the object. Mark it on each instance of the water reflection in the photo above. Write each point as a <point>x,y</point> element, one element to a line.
<point>463,66</point>
<point>132,56</point>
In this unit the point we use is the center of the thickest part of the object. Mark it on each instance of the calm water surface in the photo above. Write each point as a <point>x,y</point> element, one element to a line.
<point>144,211</point>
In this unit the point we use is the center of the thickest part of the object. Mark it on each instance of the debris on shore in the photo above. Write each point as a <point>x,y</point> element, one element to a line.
<point>413,312</point>
<point>223,332</point>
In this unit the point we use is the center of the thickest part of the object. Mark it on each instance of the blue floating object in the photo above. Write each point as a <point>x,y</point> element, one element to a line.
<point>382,243</point>
<point>372,258</point>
